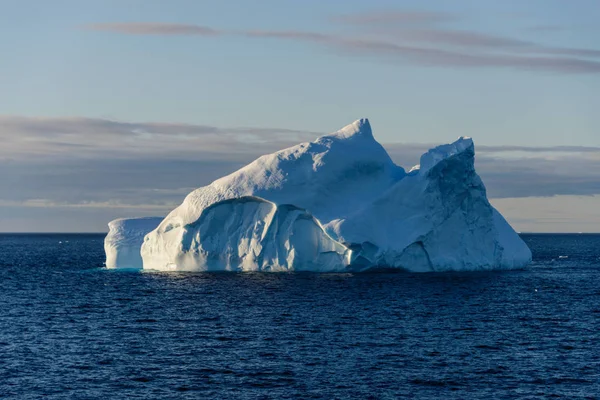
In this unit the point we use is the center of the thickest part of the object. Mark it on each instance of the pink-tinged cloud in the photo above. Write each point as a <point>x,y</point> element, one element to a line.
<point>546,28</point>
<point>396,17</point>
<point>454,38</point>
<point>431,47</point>
<point>152,28</point>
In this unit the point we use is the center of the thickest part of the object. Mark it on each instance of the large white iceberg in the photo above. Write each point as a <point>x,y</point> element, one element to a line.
<point>346,206</point>
<point>124,240</point>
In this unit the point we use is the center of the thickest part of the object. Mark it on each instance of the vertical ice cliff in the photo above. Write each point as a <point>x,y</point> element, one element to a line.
<point>252,234</point>
<point>124,240</point>
<point>267,216</point>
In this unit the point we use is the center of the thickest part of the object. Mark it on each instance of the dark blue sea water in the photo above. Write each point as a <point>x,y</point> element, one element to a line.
<point>70,329</point>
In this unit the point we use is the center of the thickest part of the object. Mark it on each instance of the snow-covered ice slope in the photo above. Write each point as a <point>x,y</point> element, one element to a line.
<point>331,177</point>
<point>252,234</point>
<point>320,176</point>
<point>437,217</point>
<point>124,240</point>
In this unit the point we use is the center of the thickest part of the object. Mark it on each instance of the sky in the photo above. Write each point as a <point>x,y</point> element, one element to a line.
<point>119,108</point>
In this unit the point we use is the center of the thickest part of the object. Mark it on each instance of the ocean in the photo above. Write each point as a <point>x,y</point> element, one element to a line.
<point>70,329</point>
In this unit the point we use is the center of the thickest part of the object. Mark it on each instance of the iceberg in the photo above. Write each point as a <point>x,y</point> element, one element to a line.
<point>124,240</point>
<point>340,203</point>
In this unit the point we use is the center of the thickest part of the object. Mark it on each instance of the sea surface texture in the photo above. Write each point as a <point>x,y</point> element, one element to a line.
<point>71,329</point>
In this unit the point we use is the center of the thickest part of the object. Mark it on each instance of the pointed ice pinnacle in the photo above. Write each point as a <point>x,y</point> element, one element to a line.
<point>360,127</point>
<point>445,151</point>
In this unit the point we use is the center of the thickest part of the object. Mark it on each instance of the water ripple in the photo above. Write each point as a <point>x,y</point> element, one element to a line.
<point>71,329</point>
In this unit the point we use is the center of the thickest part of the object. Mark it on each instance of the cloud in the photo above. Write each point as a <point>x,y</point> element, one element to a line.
<point>97,169</point>
<point>529,149</point>
<point>477,40</point>
<point>474,41</point>
<point>396,17</point>
<point>545,28</point>
<point>128,167</point>
<point>61,126</point>
<point>25,137</point>
<point>457,38</point>
<point>96,161</point>
<point>540,176</point>
<point>450,58</point>
<point>46,203</point>
<point>398,30</point>
<point>552,214</point>
<point>431,47</point>
<point>152,28</point>
<point>520,171</point>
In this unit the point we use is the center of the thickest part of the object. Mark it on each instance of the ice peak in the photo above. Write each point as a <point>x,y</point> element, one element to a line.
<point>440,153</point>
<point>359,128</point>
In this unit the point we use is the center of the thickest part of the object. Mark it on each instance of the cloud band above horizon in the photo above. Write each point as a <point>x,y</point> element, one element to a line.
<point>405,37</point>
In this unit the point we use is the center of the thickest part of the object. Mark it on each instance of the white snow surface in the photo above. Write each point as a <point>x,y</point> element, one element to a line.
<point>304,207</point>
<point>124,240</point>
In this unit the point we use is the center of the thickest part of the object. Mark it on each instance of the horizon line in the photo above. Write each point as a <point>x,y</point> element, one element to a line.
<point>106,232</point>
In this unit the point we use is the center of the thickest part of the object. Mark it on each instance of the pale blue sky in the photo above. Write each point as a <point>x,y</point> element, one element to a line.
<point>509,73</point>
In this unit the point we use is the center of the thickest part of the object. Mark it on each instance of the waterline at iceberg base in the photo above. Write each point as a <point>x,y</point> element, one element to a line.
<point>336,204</point>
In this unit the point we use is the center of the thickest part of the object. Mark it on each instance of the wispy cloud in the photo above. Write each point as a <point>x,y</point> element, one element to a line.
<point>545,28</point>
<point>391,37</point>
<point>472,40</point>
<point>87,137</point>
<point>58,126</point>
<point>46,203</point>
<point>532,149</point>
<point>152,28</point>
<point>396,17</point>
<point>457,38</point>
<point>451,58</point>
